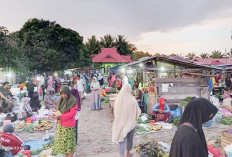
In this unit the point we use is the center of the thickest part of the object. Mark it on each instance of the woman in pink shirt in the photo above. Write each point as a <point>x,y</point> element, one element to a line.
<point>65,136</point>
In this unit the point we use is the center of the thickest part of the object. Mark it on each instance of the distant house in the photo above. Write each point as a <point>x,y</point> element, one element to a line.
<point>109,57</point>
<point>213,61</point>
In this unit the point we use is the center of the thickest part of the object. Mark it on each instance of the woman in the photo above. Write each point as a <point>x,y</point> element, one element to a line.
<point>49,103</point>
<point>126,114</point>
<point>95,97</point>
<point>35,103</point>
<point>65,136</point>
<point>189,139</point>
<point>161,111</point>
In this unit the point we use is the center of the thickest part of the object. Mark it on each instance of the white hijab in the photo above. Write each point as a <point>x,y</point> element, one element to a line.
<point>126,114</point>
<point>100,76</point>
<point>95,85</point>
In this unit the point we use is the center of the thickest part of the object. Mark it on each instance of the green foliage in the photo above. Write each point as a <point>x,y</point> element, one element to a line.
<point>185,101</point>
<point>204,55</point>
<point>92,46</point>
<point>191,56</point>
<point>107,41</point>
<point>48,46</point>
<point>226,120</point>
<point>139,54</point>
<point>217,54</point>
<point>176,121</point>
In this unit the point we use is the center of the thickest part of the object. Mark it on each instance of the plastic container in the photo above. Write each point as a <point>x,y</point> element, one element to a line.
<point>228,150</point>
<point>208,124</point>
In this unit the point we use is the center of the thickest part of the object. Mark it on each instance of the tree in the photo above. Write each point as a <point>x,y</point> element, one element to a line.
<point>175,55</point>
<point>123,46</point>
<point>48,46</point>
<point>92,46</point>
<point>11,54</point>
<point>191,56</point>
<point>216,54</point>
<point>204,55</point>
<point>139,54</point>
<point>107,41</point>
<point>230,53</point>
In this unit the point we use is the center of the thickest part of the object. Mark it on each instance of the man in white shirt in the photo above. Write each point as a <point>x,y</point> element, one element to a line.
<point>79,85</point>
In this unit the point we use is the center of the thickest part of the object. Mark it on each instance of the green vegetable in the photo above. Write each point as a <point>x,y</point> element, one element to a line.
<point>226,120</point>
<point>29,127</point>
<point>140,129</point>
<point>176,121</point>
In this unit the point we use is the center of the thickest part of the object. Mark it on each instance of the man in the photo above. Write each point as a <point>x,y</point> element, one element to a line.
<point>30,87</point>
<point>6,100</point>
<point>79,85</point>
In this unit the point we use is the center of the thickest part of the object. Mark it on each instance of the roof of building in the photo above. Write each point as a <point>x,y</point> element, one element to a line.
<point>110,55</point>
<point>212,61</point>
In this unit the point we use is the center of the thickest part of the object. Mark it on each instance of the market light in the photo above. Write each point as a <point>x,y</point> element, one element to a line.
<point>141,65</point>
<point>10,75</point>
<point>55,74</point>
<point>123,70</point>
<point>130,71</point>
<point>162,69</point>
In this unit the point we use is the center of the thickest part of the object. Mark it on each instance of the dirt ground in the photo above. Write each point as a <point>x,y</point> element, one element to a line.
<point>95,129</point>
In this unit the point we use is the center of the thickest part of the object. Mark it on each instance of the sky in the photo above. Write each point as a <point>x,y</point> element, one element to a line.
<point>154,26</point>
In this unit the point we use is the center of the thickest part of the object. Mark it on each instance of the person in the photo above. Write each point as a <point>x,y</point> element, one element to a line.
<point>161,111</point>
<point>113,79</point>
<point>50,85</point>
<point>100,79</point>
<point>86,82</point>
<point>228,81</point>
<point>6,100</point>
<point>103,94</point>
<point>30,87</point>
<point>126,114</point>
<point>79,85</point>
<point>65,135</point>
<point>49,103</point>
<point>75,93</point>
<point>138,93</point>
<point>189,139</point>
<point>10,140</point>
<point>124,80</point>
<point>131,81</point>
<point>57,84</point>
<point>145,99</point>
<point>118,84</point>
<point>95,97</point>
<point>26,107</point>
<point>35,103</point>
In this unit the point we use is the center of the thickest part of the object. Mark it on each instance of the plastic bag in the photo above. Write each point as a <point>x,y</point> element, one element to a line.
<point>175,113</point>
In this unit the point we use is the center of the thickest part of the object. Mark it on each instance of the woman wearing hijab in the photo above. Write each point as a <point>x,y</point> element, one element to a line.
<point>95,97</point>
<point>75,93</point>
<point>126,114</point>
<point>49,103</point>
<point>100,79</point>
<point>161,111</point>
<point>65,136</point>
<point>189,139</point>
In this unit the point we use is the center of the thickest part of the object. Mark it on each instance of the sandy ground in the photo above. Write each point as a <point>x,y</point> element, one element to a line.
<point>95,129</point>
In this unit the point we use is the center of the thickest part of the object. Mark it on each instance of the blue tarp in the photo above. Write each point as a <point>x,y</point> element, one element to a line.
<point>36,144</point>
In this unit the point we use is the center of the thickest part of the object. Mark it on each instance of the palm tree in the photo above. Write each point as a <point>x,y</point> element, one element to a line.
<point>191,56</point>
<point>204,55</point>
<point>217,54</point>
<point>230,53</point>
<point>92,45</point>
<point>107,41</point>
<point>175,55</point>
<point>123,46</point>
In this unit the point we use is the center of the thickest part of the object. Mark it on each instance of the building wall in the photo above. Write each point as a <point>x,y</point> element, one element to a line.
<point>177,89</point>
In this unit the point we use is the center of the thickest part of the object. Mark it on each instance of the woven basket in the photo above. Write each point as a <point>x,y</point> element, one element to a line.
<point>229,108</point>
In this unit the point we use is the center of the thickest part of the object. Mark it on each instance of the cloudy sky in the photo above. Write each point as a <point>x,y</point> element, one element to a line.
<point>156,26</point>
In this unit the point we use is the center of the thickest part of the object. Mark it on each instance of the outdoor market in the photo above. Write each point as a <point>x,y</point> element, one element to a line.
<point>115,78</point>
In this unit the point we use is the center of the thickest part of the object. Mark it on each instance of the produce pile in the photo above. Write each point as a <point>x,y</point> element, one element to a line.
<point>44,125</point>
<point>150,149</point>
<point>226,120</point>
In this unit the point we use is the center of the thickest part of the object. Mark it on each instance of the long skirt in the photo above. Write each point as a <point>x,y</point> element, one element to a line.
<point>95,100</point>
<point>65,139</point>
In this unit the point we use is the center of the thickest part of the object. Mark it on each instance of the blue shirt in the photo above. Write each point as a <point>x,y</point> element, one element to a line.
<point>157,106</point>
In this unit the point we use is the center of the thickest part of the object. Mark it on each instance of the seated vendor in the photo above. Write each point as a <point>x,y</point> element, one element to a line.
<point>10,140</point>
<point>161,111</point>
<point>49,103</point>
<point>103,94</point>
<point>7,100</point>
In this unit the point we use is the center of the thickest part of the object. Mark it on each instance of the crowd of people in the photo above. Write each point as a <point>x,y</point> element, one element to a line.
<point>189,139</point>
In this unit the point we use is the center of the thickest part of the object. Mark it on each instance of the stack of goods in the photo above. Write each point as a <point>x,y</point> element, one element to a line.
<point>226,107</point>
<point>226,138</point>
<point>44,125</point>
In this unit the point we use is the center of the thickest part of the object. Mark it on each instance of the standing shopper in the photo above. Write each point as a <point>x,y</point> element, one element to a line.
<point>189,139</point>
<point>65,136</point>
<point>126,114</point>
<point>95,97</point>
<point>79,85</point>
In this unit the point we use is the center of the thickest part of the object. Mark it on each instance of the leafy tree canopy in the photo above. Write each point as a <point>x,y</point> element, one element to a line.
<point>49,46</point>
<point>139,54</point>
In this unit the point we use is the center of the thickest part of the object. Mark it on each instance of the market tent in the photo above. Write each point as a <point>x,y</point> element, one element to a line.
<point>114,69</point>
